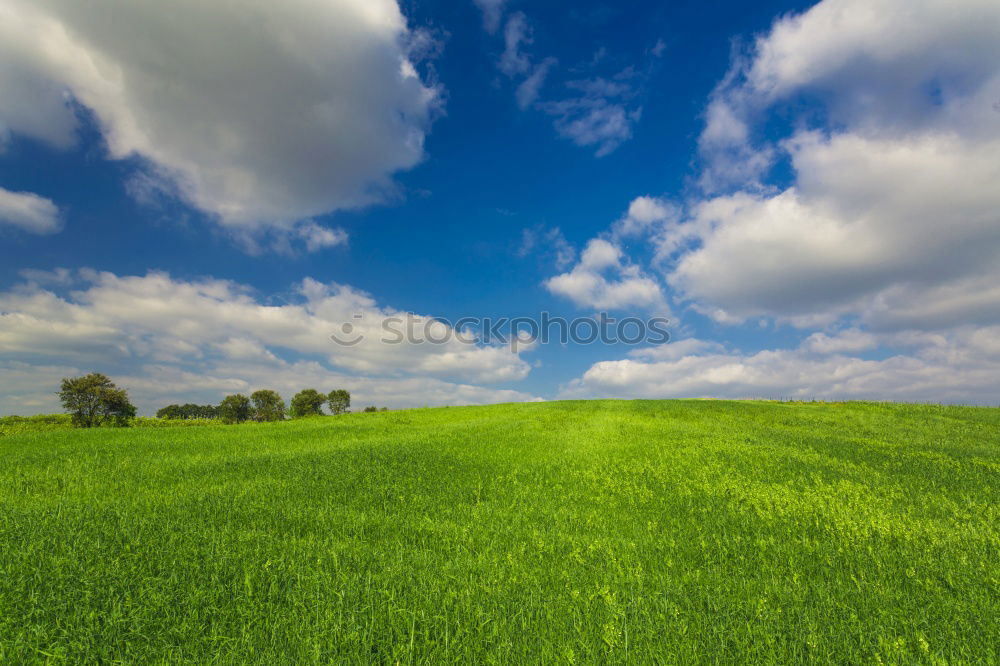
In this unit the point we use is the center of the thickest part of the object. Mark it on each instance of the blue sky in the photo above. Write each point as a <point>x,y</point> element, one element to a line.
<point>192,200</point>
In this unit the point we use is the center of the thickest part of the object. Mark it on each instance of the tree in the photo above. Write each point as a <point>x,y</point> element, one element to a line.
<point>188,411</point>
<point>371,408</point>
<point>169,412</point>
<point>267,406</point>
<point>235,409</point>
<point>118,410</point>
<point>338,400</point>
<point>93,400</point>
<point>307,402</point>
<point>207,412</point>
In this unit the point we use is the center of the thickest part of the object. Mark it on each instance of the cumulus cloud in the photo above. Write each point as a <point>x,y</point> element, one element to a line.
<point>318,237</point>
<point>215,326</point>
<point>960,367</point>
<point>29,212</point>
<point>603,280</point>
<point>259,113</point>
<point>892,212</point>
<point>646,216</point>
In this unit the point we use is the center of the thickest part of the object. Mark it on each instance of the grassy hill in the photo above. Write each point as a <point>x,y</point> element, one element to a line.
<point>679,531</point>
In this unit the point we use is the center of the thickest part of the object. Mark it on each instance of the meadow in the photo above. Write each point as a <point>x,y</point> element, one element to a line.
<point>567,532</point>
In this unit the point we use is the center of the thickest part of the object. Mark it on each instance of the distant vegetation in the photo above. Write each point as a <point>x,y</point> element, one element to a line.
<point>188,411</point>
<point>13,425</point>
<point>93,401</point>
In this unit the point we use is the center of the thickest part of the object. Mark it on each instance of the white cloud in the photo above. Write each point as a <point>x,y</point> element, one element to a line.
<point>645,215</point>
<point>959,367</point>
<point>261,113</point>
<point>601,113</point>
<point>516,35</point>
<point>848,341</point>
<point>157,385</point>
<point>29,388</point>
<point>588,283</point>
<point>207,326</point>
<point>892,215</point>
<point>550,242</point>
<point>492,13</point>
<point>530,88</point>
<point>318,237</point>
<point>29,212</point>
<point>889,48</point>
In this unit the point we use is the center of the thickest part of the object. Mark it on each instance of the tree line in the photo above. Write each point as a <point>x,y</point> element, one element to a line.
<point>94,401</point>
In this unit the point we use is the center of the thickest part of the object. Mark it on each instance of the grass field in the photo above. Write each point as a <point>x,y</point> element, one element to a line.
<point>586,532</point>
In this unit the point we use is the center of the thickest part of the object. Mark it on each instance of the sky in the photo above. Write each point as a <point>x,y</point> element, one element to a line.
<point>194,197</point>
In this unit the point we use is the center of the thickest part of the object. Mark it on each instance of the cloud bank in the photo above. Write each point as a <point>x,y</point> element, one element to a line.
<point>894,160</point>
<point>260,113</point>
<point>882,242</point>
<point>168,336</point>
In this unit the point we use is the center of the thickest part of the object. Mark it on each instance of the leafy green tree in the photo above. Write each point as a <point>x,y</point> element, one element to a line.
<point>169,412</point>
<point>93,400</point>
<point>339,401</point>
<point>119,410</point>
<point>307,402</point>
<point>188,411</point>
<point>371,408</point>
<point>235,408</point>
<point>209,412</point>
<point>267,406</point>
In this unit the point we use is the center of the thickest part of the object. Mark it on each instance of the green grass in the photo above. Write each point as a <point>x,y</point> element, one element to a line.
<point>587,532</point>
